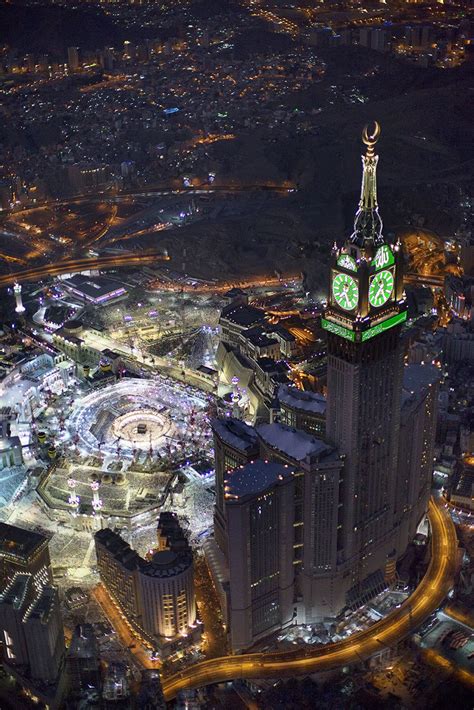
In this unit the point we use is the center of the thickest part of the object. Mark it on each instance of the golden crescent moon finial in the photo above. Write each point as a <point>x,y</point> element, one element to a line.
<point>370,139</point>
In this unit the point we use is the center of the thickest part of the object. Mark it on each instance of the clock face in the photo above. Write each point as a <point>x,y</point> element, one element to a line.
<point>345,291</point>
<point>380,289</point>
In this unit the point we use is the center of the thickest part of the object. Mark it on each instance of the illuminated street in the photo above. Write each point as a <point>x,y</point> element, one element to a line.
<point>430,593</point>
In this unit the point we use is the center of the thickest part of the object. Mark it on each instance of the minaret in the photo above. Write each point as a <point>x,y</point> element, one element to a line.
<point>20,308</point>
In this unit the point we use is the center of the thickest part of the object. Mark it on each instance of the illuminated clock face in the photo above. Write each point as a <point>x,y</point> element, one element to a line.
<point>380,289</point>
<point>345,291</point>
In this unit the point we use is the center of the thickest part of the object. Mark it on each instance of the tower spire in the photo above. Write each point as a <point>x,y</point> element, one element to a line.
<point>368,223</point>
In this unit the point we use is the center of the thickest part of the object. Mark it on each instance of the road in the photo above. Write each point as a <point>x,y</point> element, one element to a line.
<point>126,635</point>
<point>386,633</point>
<point>156,191</point>
<point>67,266</point>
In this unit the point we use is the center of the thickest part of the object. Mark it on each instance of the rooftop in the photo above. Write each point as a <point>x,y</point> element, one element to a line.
<point>296,444</point>
<point>235,433</point>
<point>304,401</point>
<point>417,378</point>
<point>256,477</point>
<point>165,563</point>
<point>465,484</point>
<point>17,590</point>
<point>168,563</point>
<point>243,315</point>
<point>119,548</point>
<point>283,333</point>
<point>93,286</point>
<point>258,338</point>
<point>19,542</point>
<point>278,368</point>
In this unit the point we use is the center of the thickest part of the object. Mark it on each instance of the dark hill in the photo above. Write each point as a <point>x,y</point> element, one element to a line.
<point>51,30</point>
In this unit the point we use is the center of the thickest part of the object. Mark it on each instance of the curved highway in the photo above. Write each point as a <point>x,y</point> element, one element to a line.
<point>66,266</point>
<point>426,598</point>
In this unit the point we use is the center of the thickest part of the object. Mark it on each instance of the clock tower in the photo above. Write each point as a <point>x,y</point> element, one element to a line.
<point>365,311</point>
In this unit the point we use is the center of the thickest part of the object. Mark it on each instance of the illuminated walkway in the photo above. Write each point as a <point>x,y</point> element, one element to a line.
<point>386,633</point>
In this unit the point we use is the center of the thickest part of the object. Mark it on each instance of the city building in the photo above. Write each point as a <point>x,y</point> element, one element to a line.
<point>317,513</point>
<point>360,477</point>
<point>302,409</point>
<point>94,289</point>
<point>32,635</point>
<point>237,318</point>
<point>462,488</point>
<point>235,444</point>
<point>155,595</point>
<point>24,551</point>
<point>364,380</point>
<point>259,514</point>
<point>10,452</point>
<point>416,448</point>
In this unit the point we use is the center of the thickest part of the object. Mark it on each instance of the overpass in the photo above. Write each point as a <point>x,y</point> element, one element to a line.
<point>66,266</point>
<point>421,280</point>
<point>386,633</point>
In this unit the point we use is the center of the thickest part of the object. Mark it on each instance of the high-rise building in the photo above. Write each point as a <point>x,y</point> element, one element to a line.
<point>326,535</point>
<point>366,308</point>
<point>235,444</point>
<point>416,448</point>
<point>260,517</point>
<point>32,629</point>
<point>24,551</point>
<point>317,514</point>
<point>156,595</point>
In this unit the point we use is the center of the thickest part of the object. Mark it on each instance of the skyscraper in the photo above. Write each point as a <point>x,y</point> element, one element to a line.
<point>32,629</point>
<point>260,527</point>
<point>24,551</point>
<point>235,444</point>
<point>359,483</point>
<point>416,448</point>
<point>366,308</point>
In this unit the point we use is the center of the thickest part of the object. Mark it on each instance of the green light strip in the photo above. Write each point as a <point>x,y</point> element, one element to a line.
<point>337,329</point>
<point>367,334</point>
<point>384,325</point>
